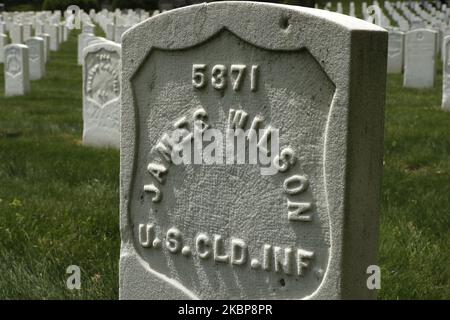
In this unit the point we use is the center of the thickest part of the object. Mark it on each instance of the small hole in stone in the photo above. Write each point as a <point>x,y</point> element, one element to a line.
<point>282,282</point>
<point>284,22</point>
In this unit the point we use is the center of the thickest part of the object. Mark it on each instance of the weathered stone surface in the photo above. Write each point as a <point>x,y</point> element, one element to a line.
<point>36,55</point>
<point>17,80</point>
<point>110,31</point>
<point>119,30</point>
<point>395,51</point>
<point>46,38</point>
<point>54,37</point>
<point>88,28</point>
<point>16,33</point>
<point>215,231</point>
<point>420,56</point>
<point>26,32</point>
<point>3,43</point>
<point>101,95</point>
<point>82,37</point>
<point>446,75</point>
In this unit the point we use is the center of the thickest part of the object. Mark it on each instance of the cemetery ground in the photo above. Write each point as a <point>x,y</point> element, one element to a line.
<point>59,201</point>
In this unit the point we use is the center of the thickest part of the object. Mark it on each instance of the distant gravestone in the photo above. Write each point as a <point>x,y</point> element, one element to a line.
<point>444,32</point>
<point>110,31</point>
<point>54,37</point>
<point>27,32</point>
<point>3,43</point>
<point>60,33</point>
<point>395,51</point>
<point>88,28</point>
<point>16,33</point>
<point>417,23</point>
<point>36,57</point>
<point>119,30</point>
<point>82,37</point>
<point>101,95</point>
<point>17,80</point>
<point>420,56</point>
<point>39,29</point>
<point>66,32</point>
<point>46,38</point>
<point>446,75</point>
<point>216,230</point>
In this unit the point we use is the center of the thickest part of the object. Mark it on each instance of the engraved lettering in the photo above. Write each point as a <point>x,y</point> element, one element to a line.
<point>221,74</point>
<point>200,117</point>
<point>238,252</point>
<point>218,247</point>
<point>164,147</point>
<point>218,77</point>
<point>203,246</point>
<point>284,160</point>
<point>283,260</point>
<point>302,182</point>
<point>298,209</point>
<point>198,75</point>
<point>152,188</point>
<point>237,119</point>
<point>240,69</point>
<point>301,264</point>
<point>173,240</point>
<point>254,79</point>
<point>146,235</point>
<point>157,170</point>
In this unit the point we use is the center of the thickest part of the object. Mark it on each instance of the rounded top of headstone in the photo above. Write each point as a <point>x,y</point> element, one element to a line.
<point>174,69</point>
<point>101,44</point>
<point>266,18</point>
<point>422,30</point>
<point>16,45</point>
<point>37,38</point>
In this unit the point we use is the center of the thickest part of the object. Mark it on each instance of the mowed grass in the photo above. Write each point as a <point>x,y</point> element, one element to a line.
<point>415,229</point>
<point>59,200</point>
<point>415,221</point>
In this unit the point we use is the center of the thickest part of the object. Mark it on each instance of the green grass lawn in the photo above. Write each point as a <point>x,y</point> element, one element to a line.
<point>59,200</point>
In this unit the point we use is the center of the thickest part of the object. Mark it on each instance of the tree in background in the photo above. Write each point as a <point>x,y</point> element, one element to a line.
<point>22,5</point>
<point>135,4</point>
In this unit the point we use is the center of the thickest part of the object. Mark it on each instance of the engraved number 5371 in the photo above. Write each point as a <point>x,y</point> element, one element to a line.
<point>221,75</point>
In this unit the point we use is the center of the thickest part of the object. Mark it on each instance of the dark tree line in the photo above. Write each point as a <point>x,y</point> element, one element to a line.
<point>121,4</point>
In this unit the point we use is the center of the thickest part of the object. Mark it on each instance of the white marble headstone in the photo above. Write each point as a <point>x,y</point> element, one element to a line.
<point>82,37</point>
<point>110,31</point>
<point>395,51</point>
<point>16,33</point>
<point>119,30</point>
<point>101,95</point>
<point>446,75</point>
<point>36,55</point>
<point>3,43</point>
<point>46,38</point>
<point>420,56</point>
<point>54,37</point>
<point>218,230</point>
<point>88,28</point>
<point>17,81</point>
<point>27,32</point>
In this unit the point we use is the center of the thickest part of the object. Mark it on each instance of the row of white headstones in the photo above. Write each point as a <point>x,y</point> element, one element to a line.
<point>25,59</point>
<point>419,35</point>
<point>413,53</point>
